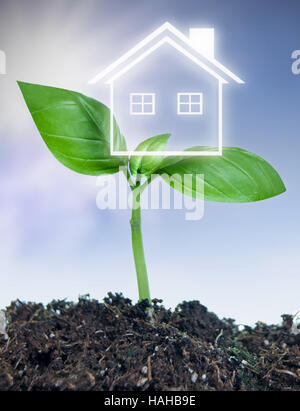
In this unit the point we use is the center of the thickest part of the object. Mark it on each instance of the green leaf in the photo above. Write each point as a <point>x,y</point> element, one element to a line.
<point>237,176</point>
<point>147,165</point>
<point>75,128</point>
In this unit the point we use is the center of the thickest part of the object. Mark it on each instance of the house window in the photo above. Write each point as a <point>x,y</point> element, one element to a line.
<point>190,103</point>
<point>142,104</point>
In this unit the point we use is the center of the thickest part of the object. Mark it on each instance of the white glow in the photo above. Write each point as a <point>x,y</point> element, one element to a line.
<point>183,153</point>
<point>165,27</point>
<point>220,116</point>
<point>166,40</point>
<point>167,153</point>
<point>130,53</point>
<point>203,40</point>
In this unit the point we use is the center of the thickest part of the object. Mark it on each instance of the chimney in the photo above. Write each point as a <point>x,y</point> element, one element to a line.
<point>203,41</point>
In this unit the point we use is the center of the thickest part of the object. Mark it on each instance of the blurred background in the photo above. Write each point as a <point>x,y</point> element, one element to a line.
<point>241,261</point>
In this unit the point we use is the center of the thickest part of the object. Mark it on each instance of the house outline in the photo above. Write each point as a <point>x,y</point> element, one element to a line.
<point>203,59</point>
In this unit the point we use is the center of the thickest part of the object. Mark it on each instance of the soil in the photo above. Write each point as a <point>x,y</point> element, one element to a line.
<point>118,346</point>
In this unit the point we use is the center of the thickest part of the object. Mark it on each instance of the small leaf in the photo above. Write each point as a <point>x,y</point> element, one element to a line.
<point>147,165</point>
<point>75,128</point>
<point>237,176</point>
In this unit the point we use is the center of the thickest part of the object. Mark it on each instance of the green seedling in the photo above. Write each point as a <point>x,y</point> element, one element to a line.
<point>76,129</point>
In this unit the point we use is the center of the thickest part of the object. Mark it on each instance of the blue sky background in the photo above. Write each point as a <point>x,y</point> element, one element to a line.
<point>241,261</point>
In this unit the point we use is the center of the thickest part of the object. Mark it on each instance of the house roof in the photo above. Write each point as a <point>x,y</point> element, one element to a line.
<point>125,63</point>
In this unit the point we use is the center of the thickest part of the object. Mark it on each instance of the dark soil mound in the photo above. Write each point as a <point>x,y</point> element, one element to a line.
<point>117,346</point>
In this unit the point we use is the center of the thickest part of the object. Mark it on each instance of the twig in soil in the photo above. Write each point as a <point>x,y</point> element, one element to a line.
<point>286,372</point>
<point>102,358</point>
<point>149,368</point>
<point>218,372</point>
<point>233,377</point>
<point>218,337</point>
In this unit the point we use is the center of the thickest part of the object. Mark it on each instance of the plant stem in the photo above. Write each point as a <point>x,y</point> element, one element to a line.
<point>128,178</point>
<point>138,250</point>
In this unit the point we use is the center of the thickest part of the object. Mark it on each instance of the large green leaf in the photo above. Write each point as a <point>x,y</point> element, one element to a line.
<point>75,128</point>
<point>147,165</point>
<point>237,176</point>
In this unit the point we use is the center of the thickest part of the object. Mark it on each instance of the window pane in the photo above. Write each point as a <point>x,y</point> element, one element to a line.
<point>184,108</point>
<point>148,99</point>
<point>136,99</point>
<point>195,98</point>
<point>184,98</point>
<point>136,108</point>
<point>148,108</point>
<point>195,108</point>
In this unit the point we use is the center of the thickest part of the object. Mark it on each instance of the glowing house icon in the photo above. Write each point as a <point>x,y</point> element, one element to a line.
<point>159,92</point>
